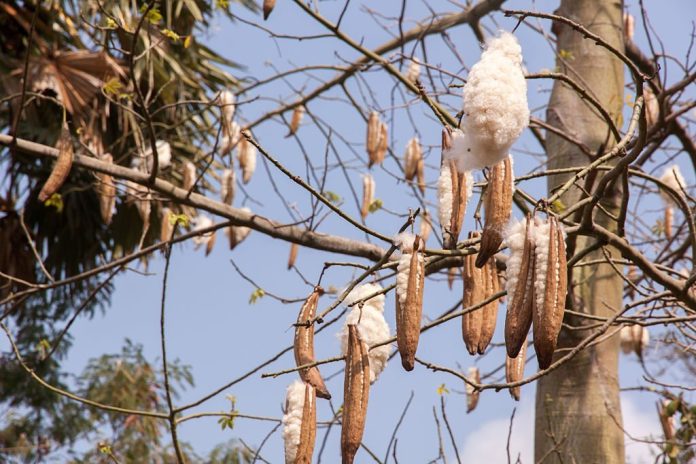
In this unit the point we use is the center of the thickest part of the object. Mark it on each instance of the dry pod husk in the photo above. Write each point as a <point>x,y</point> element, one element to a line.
<point>61,168</point>
<point>629,24</point>
<point>410,279</point>
<point>247,159</point>
<point>490,311</point>
<point>514,370</point>
<point>294,247</point>
<point>227,186</point>
<point>550,288</point>
<point>142,198</point>
<point>368,195</point>
<point>304,344</point>
<point>519,285</point>
<point>296,120</point>
<point>472,395</point>
<point>188,175</point>
<point>299,423</point>
<point>474,291</point>
<point>166,226</point>
<point>420,176</point>
<point>237,234</point>
<point>451,275</point>
<point>666,420</point>
<point>498,206</point>
<point>367,312</point>
<point>208,239</point>
<point>356,393</point>
<point>652,107</point>
<point>268,6</point>
<point>373,135</point>
<point>107,192</point>
<point>454,191</point>
<point>228,104</point>
<point>383,146</point>
<point>412,156</point>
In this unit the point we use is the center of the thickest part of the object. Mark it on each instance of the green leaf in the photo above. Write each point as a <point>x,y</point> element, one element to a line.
<point>111,24</point>
<point>375,205</point>
<point>442,390</point>
<point>558,206</point>
<point>153,15</point>
<point>255,295</point>
<point>333,197</point>
<point>565,54</point>
<point>222,4</point>
<point>43,347</point>
<point>181,219</point>
<point>55,201</point>
<point>171,34</point>
<point>104,448</point>
<point>113,87</point>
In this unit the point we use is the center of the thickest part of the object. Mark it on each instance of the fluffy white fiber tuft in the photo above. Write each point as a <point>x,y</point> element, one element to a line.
<point>444,195</point>
<point>402,273</point>
<point>372,326</point>
<point>292,420</point>
<point>514,240</point>
<point>199,223</point>
<point>361,291</point>
<point>404,241</point>
<point>672,177</point>
<point>495,106</point>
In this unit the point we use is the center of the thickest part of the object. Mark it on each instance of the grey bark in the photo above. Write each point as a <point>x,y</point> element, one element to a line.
<point>578,412</point>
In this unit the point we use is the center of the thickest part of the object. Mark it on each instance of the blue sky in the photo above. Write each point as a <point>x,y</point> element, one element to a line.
<point>212,327</point>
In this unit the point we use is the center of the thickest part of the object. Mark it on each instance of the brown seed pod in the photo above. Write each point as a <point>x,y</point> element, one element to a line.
<point>356,393</point>
<point>107,192</point>
<point>188,175</point>
<point>550,305</point>
<point>514,370</point>
<point>521,297</point>
<point>247,159</point>
<point>489,314</point>
<point>294,247</point>
<point>454,190</point>
<point>383,145</point>
<point>409,301</point>
<point>412,157</point>
<point>268,6</point>
<point>308,429</point>
<point>472,395</point>
<point>474,292</point>
<point>61,168</point>
<point>669,218</point>
<point>304,344</point>
<point>165,226</point>
<point>227,186</point>
<point>629,24</point>
<point>420,175</point>
<point>451,275</point>
<point>368,195</point>
<point>652,107</point>
<point>297,116</point>
<point>372,139</point>
<point>498,205</point>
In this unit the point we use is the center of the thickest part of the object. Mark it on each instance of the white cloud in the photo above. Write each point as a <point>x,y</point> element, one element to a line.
<point>488,442</point>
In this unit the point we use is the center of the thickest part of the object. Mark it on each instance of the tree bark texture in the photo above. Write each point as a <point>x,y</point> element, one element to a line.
<point>578,412</point>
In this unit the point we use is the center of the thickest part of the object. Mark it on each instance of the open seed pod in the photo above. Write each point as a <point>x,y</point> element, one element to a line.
<point>166,226</point>
<point>372,142</point>
<point>383,144</point>
<point>454,191</point>
<point>299,423</point>
<point>514,370</point>
<point>672,178</point>
<point>410,279</point>
<point>498,206</point>
<point>62,166</point>
<point>296,120</point>
<point>304,344</point>
<point>472,395</point>
<point>425,226</point>
<point>414,70</point>
<point>519,285</point>
<point>550,288</point>
<point>356,393</point>
<point>188,175</point>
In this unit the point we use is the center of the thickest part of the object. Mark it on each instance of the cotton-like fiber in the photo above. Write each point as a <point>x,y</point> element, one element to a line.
<point>672,177</point>
<point>495,105</point>
<point>292,420</point>
<point>372,326</point>
<point>514,240</point>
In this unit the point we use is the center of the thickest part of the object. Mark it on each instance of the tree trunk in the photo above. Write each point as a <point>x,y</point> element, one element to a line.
<point>578,413</point>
